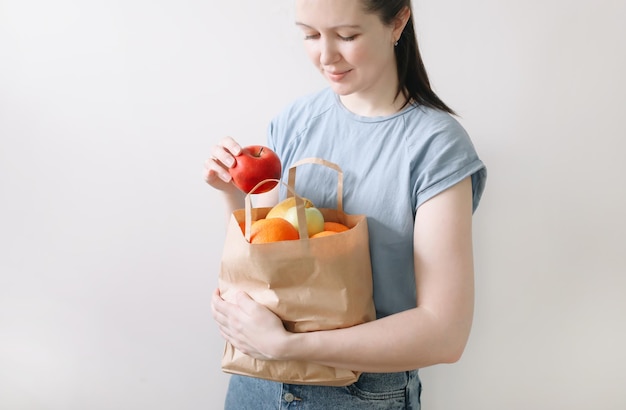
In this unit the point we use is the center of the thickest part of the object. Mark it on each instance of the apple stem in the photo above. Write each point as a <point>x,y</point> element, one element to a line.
<point>260,151</point>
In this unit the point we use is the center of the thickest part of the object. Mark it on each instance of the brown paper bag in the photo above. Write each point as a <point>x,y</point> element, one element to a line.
<point>311,284</point>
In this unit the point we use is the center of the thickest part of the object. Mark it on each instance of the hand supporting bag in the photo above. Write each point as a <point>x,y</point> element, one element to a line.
<point>311,284</point>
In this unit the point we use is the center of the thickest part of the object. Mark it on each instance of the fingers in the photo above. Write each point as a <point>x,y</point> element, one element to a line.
<point>218,307</point>
<point>214,175</point>
<point>222,158</point>
<point>249,326</point>
<point>231,145</point>
<point>225,152</point>
<point>228,319</point>
<point>228,314</point>
<point>245,302</point>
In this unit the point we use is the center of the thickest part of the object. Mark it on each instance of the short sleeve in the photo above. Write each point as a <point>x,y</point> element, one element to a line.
<point>443,156</point>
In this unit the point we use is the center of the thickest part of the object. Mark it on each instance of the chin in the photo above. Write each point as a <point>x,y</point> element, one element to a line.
<point>341,89</point>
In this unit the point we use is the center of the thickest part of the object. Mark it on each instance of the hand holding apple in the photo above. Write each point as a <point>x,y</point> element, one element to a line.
<point>222,157</point>
<point>254,164</point>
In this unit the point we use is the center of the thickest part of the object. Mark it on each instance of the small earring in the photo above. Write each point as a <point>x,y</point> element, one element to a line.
<point>395,44</point>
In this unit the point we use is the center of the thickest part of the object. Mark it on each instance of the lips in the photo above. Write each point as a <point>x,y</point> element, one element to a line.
<point>336,75</point>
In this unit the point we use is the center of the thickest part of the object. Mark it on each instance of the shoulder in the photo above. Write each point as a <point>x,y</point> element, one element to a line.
<point>426,126</point>
<point>296,117</point>
<point>441,154</point>
<point>307,107</point>
<point>435,137</point>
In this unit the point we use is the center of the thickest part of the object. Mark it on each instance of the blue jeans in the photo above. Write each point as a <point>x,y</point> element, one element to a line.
<point>382,391</point>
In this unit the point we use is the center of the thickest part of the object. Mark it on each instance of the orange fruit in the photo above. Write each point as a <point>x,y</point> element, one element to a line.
<point>242,225</point>
<point>335,226</point>
<point>272,230</point>
<point>324,233</point>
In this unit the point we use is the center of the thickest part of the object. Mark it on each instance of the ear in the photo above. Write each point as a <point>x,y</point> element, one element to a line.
<point>400,22</point>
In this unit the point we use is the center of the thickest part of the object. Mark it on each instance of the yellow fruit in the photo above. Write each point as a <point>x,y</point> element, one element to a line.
<point>314,219</point>
<point>278,211</point>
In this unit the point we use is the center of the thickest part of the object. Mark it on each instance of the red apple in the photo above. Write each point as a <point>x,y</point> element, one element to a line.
<point>254,164</point>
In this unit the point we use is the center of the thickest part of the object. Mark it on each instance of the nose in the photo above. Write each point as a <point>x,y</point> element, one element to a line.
<point>329,53</point>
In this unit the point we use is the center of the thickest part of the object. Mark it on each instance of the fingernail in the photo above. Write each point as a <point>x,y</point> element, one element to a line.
<point>225,176</point>
<point>230,162</point>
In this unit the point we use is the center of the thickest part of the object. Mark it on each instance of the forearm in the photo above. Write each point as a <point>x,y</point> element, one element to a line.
<point>232,200</point>
<point>436,331</point>
<point>405,341</point>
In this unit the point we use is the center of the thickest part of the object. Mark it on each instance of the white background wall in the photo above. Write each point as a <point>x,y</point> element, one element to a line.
<point>110,240</point>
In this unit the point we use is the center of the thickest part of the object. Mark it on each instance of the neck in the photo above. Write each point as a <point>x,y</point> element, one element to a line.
<point>373,107</point>
<point>378,100</point>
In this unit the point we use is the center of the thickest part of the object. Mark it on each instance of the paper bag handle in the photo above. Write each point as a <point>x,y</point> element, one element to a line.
<point>302,227</point>
<point>319,161</point>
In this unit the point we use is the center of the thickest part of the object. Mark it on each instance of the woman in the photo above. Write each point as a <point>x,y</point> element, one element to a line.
<point>411,168</point>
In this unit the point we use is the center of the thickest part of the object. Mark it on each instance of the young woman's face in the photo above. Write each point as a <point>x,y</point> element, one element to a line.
<point>352,49</point>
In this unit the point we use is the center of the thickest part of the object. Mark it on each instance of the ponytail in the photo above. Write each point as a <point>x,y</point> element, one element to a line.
<point>413,81</point>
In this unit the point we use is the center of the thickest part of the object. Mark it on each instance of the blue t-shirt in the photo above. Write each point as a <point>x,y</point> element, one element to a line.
<point>391,166</point>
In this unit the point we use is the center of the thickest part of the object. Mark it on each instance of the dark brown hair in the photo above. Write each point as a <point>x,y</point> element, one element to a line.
<point>412,76</point>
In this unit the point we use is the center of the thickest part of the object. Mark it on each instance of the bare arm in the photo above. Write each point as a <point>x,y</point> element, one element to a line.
<point>436,331</point>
